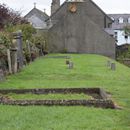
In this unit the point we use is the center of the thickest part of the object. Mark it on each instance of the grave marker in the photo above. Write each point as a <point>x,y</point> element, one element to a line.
<point>9,61</point>
<point>71,65</point>
<point>18,37</point>
<point>108,63</point>
<point>67,62</point>
<point>1,75</point>
<point>14,60</point>
<point>113,66</point>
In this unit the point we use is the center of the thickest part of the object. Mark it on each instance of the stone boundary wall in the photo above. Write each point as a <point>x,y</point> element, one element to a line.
<point>94,92</point>
<point>88,103</point>
<point>103,94</point>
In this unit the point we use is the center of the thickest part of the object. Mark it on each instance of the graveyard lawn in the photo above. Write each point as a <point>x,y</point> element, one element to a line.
<point>48,96</point>
<point>89,71</point>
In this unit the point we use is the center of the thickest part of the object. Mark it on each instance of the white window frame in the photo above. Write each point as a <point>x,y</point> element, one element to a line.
<point>121,20</point>
<point>129,20</point>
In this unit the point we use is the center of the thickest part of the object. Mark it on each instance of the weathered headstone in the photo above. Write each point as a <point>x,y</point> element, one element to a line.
<point>67,62</point>
<point>18,37</point>
<point>113,66</point>
<point>108,63</point>
<point>14,60</point>
<point>9,61</point>
<point>71,65</point>
<point>1,75</point>
<point>28,47</point>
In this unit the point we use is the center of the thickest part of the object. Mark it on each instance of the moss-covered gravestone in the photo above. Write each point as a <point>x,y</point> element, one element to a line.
<point>71,65</point>
<point>113,66</point>
<point>1,75</point>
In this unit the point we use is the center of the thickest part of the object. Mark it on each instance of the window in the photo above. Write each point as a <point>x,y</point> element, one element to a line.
<point>126,36</point>
<point>129,20</point>
<point>121,20</point>
<point>116,34</point>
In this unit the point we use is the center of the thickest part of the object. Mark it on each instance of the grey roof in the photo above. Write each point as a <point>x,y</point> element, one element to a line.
<point>42,15</point>
<point>78,2</point>
<point>100,9</point>
<point>116,16</point>
<point>116,24</point>
<point>109,31</point>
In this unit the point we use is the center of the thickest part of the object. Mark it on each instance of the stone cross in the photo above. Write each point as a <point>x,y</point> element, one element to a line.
<point>44,10</point>
<point>35,4</point>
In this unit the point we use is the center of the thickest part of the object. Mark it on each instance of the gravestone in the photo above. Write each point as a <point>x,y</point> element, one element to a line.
<point>67,62</point>
<point>14,60</point>
<point>28,47</point>
<point>71,65</point>
<point>113,66</point>
<point>18,36</point>
<point>108,63</point>
<point>9,61</point>
<point>1,75</point>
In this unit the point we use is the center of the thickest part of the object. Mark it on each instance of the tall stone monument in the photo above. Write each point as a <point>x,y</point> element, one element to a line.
<point>18,37</point>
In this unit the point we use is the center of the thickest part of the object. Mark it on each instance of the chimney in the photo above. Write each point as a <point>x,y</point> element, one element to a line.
<point>54,6</point>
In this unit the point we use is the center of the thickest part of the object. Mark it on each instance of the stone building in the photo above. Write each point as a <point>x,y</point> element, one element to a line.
<point>55,5</point>
<point>79,27</point>
<point>119,22</point>
<point>37,18</point>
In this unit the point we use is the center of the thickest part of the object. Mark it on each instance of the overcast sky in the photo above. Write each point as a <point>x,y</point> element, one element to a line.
<point>108,6</point>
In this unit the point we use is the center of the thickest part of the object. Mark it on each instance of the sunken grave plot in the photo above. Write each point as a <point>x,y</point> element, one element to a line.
<point>98,97</point>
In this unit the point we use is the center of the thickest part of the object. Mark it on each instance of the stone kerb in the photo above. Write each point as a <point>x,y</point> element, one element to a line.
<point>98,101</point>
<point>53,91</point>
<point>89,103</point>
<point>58,57</point>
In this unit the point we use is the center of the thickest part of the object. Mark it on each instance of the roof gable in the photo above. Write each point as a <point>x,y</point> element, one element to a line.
<point>100,10</point>
<point>41,15</point>
<point>80,2</point>
<point>88,7</point>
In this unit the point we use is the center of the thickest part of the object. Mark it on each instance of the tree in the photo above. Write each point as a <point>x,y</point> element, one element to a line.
<point>127,30</point>
<point>27,30</point>
<point>9,17</point>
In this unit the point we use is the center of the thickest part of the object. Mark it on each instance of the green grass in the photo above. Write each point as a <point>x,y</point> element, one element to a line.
<point>48,96</point>
<point>89,71</point>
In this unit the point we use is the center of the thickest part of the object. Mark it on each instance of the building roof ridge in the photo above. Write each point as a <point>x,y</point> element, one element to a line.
<point>41,12</point>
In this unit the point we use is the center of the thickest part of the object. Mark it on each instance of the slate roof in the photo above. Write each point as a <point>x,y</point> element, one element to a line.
<point>119,26</point>
<point>109,31</point>
<point>42,15</point>
<point>80,1</point>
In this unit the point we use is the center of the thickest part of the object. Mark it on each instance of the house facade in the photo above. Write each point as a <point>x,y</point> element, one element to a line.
<point>79,27</point>
<point>119,22</point>
<point>37,18</point>
<point>76,26</point>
